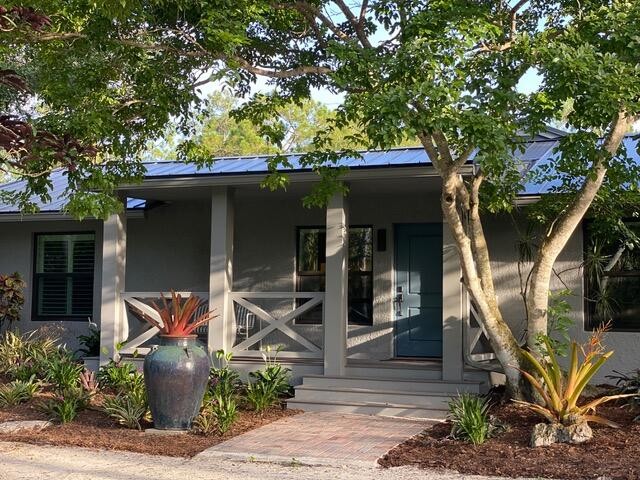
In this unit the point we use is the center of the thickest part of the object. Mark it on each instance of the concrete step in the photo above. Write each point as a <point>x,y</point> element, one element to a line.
<point>422,400</point>
<point>370,408</point>
<point>392,384</point>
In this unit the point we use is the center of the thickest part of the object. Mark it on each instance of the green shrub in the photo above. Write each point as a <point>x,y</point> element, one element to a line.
<point>64,373</point>
<point>11,298</point>
<point>90,343</point>
<point>628,384</point>
<point>469,417</point>
<point>261,395</point>
<point>128,409</point>
<point>276,377</point>
<point>17,392</point>
<point>121,377</point>
<point>66,405</point>
<point>217,413</point>
<point>22,356</point>
<point>224,381</point>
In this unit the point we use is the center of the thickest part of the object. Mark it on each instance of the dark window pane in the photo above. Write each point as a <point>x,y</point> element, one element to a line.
<point>310,268</point>
<point>64,275</point>
<point>612,278</point>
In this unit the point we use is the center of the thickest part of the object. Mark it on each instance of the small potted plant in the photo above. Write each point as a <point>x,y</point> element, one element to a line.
<point>177,370</point>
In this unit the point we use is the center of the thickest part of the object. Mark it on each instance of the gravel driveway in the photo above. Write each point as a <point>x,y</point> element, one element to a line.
<point>22,461</point>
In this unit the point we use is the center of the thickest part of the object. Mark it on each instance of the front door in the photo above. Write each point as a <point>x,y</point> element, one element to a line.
<point>418,290</point>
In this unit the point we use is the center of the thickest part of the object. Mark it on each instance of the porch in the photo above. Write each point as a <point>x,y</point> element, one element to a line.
<point>242,245</point>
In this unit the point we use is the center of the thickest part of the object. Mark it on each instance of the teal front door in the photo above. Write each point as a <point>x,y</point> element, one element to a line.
<point>418,290</point>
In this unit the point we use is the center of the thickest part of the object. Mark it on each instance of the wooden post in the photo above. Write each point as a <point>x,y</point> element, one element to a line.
<point>335,305</point>
<point>452,336</point>
<point>113,321</point>
<point>221,269</point>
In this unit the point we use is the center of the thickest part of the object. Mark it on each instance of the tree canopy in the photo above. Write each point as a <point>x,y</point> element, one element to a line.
<point>445,72</point>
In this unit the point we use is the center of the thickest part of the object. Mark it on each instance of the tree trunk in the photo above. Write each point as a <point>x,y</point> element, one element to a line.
<point>560,232</point>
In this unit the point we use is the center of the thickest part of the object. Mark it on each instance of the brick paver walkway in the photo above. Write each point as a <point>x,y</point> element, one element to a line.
<point>320,438</point>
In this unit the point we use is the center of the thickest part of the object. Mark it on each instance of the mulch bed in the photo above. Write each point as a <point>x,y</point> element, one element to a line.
<point>93,429</point>
<point>611,454</point>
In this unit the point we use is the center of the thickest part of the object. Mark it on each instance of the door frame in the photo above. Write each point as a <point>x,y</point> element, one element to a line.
<point>394,243</point>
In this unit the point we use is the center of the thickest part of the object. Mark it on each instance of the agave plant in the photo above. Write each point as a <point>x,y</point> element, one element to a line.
<point>178,317</point>
<point>561,392</point>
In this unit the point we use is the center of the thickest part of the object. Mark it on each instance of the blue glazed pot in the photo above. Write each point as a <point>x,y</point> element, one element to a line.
<point>176,374</point>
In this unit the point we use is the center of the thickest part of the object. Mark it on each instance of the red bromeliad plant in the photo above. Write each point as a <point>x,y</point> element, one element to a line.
<point>178,318</point>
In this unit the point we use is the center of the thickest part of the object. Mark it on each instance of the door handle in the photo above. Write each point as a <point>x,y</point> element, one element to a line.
<point>399,298</point>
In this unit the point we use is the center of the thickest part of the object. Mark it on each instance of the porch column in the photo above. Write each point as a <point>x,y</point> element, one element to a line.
<point>221,269</point>
<point>335,302</point>
<point>113,326</point>
<point>452,337</point>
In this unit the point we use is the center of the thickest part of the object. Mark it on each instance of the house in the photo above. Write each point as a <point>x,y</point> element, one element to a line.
<point>364,297</point>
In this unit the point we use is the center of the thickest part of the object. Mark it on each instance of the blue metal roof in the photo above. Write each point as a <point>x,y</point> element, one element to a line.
<point>539,151</point>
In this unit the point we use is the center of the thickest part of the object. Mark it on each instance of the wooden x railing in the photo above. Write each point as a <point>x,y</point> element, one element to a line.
<point>281,323</point>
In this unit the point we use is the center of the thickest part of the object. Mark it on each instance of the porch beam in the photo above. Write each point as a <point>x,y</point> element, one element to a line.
<point>113,320</point>
<point>452,333</point>
<point>221,269</point>
<point>335,308</point>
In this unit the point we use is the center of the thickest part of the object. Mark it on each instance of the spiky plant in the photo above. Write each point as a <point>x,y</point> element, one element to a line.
<point>561,392</point>
<point>178,318</point>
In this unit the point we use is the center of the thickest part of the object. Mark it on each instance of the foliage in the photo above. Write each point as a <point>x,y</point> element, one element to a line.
<point>561,392</point>
<point>217,413</point>
<point>88,382</point>
<point>90,343</point>
<point>178,317</point>
<point>469,417</point>
<point>560,322</point>
<point>223,381</point>
<point>22,356</point>
<point>628,384</point>
<point>11,298</point>
<point>273,373</point>
<point>66,405</point>
<point>120,376</point>
<point>64,373</point>
<point>261,395</point>
<point>18,391</point>
<point>128,409</point>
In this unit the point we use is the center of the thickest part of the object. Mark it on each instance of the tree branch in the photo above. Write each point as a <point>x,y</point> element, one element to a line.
<point>357,25</point>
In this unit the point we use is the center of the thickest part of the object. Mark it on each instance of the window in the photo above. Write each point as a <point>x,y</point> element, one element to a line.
<point>310,272</point>
<point>63,278</point>
<point>612,280</point>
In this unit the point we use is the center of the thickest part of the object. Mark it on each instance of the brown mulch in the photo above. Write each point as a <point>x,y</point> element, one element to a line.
<point>93,429</point>
<point>612,453</point>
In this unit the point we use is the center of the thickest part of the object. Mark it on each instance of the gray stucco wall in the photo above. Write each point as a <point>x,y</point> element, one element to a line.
<point>17,254</point>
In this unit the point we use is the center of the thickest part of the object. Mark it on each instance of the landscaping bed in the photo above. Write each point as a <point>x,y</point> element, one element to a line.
<point>93,429</point>
<point>612,453</point>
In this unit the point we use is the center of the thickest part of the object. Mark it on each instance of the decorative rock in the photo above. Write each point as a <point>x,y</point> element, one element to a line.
<point>157,431</point>
<point>545,434</point>
<point>19,425</point>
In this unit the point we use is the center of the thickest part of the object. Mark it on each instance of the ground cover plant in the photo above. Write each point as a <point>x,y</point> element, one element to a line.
<point>109,409</point>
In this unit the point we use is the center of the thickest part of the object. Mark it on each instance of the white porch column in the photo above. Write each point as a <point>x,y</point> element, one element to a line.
<point>113,327</point>
<point>221,269</point>
<point>335,303</point>
<point>452,337</point>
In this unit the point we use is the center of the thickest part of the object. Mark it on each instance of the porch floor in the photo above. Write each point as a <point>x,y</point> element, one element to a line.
<point>318,438</point>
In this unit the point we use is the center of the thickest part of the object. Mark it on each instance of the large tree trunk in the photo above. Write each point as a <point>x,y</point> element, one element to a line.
<point>474,254</point>
<point>560,232</point>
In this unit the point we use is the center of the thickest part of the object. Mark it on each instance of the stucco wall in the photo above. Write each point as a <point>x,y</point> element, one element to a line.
<point>169,248</point>
<point>17,254</point>
<point>265,246</point>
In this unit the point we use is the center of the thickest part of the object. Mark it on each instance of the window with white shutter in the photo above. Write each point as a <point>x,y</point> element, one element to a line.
<point>63,278</point>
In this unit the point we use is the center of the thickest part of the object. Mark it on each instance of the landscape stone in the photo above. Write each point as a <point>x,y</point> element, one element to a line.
<point>18,425</point>
<point>545,434</point>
